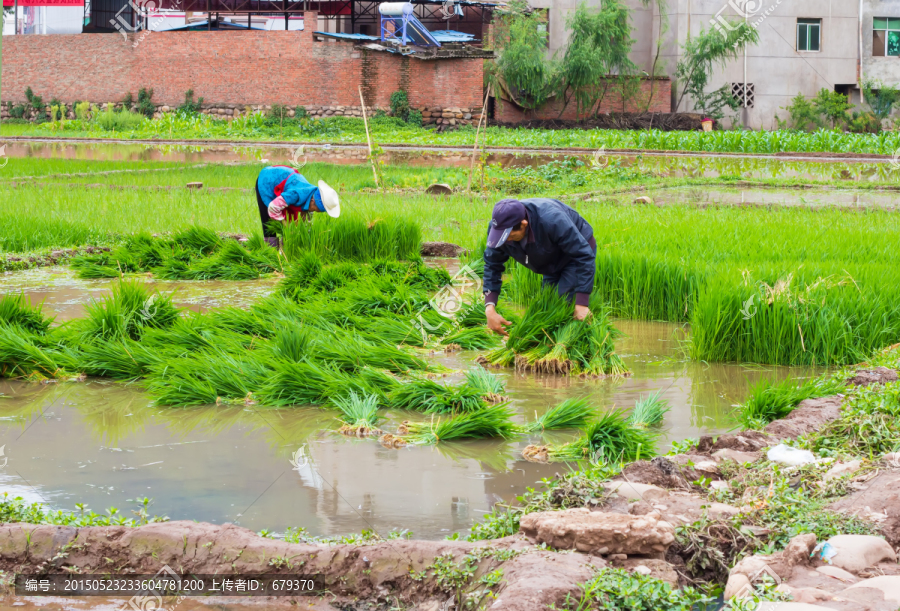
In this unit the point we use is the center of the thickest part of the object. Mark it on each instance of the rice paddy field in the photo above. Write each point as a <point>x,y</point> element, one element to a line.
<point>327,386</point>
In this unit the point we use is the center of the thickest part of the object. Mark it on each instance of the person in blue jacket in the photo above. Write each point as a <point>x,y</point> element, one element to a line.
<point>282,193</point>
<point>549,238</point>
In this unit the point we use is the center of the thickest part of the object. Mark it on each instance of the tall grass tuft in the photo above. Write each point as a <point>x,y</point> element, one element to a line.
<point>774,400</point>
<point>353,237</point>
<point>131,309</point>
<point>491,387</point>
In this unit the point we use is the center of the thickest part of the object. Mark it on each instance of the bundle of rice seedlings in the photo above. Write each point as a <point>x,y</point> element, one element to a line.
<point>17,311</point>
<point>308,383</point>
<point>390,330</point>
<point>231,262</point>
<point>491,387</point>
<point>611,438</point>
<point>492,421</point>
<point>359,413</point>
<point>300,274</point>
<point>570,414</point>
<point>292,343</point>
<point>649,410</point>
<point>201,240</point>
<point>473,338</point>
<point>429,396</point>
<point>122,359</point>
<point>557,359</point>
<point>131,309</point>
<point>175,383</point>
<point>24,354</point>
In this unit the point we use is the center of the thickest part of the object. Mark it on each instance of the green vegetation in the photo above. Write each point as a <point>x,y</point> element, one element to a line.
<point>570,414</point>
<point>772,400</point>
<point>18,510</point>
<point>616,589</point>
<point>359,413</point>
<point>490,421</point>
<point>611,438</point>
<point>649,410</point>
<point>549,340</point>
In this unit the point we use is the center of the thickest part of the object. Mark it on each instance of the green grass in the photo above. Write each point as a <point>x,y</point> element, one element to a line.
<point>492,421</point>
<point>770,401</point>
<point>610,438</point>
<point>649,410</point>
<point>570,414</point>
<point>389,130</point>
<point>359,414</point>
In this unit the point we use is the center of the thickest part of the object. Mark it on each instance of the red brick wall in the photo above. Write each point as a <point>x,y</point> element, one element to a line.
<point>508,112</point>
<point>276,67</point>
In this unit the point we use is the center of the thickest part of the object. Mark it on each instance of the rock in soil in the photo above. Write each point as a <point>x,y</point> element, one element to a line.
<point>878,375</point>
<point>877,499</point>
<point>745,441</point>
<point>809,415</point>
<point>441,249</point>
<point>856,553</point>
<point>659,472</point>
<point>588,531</point>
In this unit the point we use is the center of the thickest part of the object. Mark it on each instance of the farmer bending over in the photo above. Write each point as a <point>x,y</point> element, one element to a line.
<point>283,193</point>
<point>547,237</point>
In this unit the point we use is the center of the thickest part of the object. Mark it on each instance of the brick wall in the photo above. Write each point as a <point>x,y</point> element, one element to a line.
<point>508,112</point>
<point>230,68</point>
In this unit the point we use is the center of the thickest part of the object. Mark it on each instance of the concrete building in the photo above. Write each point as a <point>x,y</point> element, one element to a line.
<point>804,46</point>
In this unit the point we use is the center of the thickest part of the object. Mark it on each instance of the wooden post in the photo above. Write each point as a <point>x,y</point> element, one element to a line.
<point>478,131</point>
<point>368,138</point>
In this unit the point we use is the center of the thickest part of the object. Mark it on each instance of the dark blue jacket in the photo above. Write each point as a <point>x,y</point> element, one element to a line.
<point>560,246</point>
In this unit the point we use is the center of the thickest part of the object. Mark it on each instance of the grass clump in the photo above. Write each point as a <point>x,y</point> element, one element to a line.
<point>491,421</point>
<point>491,387</point>
<point>570,414</point>
<point>353,237</point>
<point>774,400</point>
<point>127,313</point>
<point>548,340</point>
<point>359,413</point>
<point>615,589</point>
<point>430,397</point>
<point>610,438</point>
<point>649,410</point>
<point>17,311</point>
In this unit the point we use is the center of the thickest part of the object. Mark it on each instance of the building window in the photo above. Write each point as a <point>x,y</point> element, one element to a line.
<point>744,94</point>
<point>809,33</point>
<point>886,37</point>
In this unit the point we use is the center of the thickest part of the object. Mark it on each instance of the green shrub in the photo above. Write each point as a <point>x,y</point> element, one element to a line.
<point>83,111</point>
<point>300,112</point>
<point>145,105</point>
<point>122,120</point>
<point>190,107</point>
<point>864,123</point>
<point>400,104</point>
<point>833,106</point>
<point>803,113</point>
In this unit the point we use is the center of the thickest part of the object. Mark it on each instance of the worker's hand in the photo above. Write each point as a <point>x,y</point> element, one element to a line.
<point>495,322</point>
<point>581,312</point>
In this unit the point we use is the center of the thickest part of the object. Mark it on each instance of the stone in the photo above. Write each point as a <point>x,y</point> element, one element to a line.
<point>642,570</point>
<point>439,189</point>
<point>842,469</point>
<point>769,606</point>
<point>619,557</point>
<point>633,491</point>
<point>194,185</point>
<point>888,585</point>
<point>458,115</point>
<point>587,531</point>
<point>467,116</point>
<point>856,553</point>
<point>737,456</point>
<point>452,121</point>
<point>426,114</point>
<point>643,199</point>
<point>738,586</point>
<point>809,415</point>
<point>719,485</point>
<point>799,549</point>
<point>837,573</point>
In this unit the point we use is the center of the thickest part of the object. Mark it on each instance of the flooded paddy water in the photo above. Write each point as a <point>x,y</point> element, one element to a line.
<point>105,444</point>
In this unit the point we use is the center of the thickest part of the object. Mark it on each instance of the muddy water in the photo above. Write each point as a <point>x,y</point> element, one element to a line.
<point>657,162</point>
<point>104,443</point>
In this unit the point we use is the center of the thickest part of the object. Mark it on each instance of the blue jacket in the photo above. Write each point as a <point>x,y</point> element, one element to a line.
<point>560,246</point>
<point>288,183</point>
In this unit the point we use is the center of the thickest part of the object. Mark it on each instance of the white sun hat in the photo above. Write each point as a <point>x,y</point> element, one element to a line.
<point>330,200</point>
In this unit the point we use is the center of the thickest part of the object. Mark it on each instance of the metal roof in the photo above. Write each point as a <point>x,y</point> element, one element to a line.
<point>441,36</point>
<point>216,25</point>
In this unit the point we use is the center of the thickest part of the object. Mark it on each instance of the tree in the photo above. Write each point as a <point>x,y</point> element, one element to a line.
<point>662,8</point>
<point>881,98</point>
<point>522,66</point>
<point>804,114</point>
<point>832,105</point>
<point>699,54</point>
<point>599,44</point>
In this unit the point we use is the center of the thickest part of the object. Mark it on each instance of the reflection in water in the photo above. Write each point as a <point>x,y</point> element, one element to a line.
<point>104,443</point>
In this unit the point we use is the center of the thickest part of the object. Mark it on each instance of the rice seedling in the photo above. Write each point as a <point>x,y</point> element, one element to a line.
<point>548,340</point>
<point>472,338</point>
<point>491,421</point>
<point>120,359</point>
<point>491,387</point>
<point>428,396</point>
<point>570,414</point>
<point>359,413</point>
<point>126,313</point>
<point>773,400</point>
<point>24,354</point>
<point>353,237</point>
<point>649,410</point>
<point>17,311</point>
<point>198,239</point>
<point>610,438</point>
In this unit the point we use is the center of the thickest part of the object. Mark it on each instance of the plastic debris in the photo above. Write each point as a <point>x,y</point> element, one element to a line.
<point>825,551</point>
<point>787,455</point>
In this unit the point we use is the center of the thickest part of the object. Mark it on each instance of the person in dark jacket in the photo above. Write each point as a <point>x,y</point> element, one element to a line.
<point>283,193</point>
<point>549,238</point>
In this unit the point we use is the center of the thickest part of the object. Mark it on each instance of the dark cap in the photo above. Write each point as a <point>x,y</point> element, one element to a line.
<point>507,214</point>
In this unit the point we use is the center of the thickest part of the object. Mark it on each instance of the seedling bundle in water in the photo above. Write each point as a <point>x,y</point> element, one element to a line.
<point>549,340</point>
